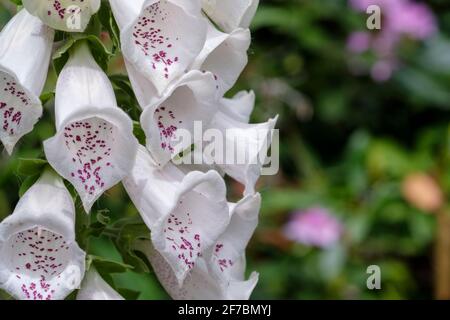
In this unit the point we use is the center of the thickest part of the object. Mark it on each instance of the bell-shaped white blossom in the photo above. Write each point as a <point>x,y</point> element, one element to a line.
<point>185,213</point>
<point>65,15</point>
<point>160,38</point>
<point>240,107</point>
<point>25,50</point>
<point>191,101</point>
<point>230,14</point>
<point>94,287</point>
<point>225,55</point>
<point>94,147</point>
<point>219,274</point>
<point>39,258</point>
<point>243,147</point>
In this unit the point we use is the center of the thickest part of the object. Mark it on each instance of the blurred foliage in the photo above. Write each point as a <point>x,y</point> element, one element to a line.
<point>347,144</point>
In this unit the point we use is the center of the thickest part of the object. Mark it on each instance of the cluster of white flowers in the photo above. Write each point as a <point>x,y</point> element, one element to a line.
<point>180,65</point>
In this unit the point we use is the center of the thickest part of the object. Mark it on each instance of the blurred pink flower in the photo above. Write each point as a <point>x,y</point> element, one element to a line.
<point>314,227</point>
<point>358,42</point>
<point>401,19</point>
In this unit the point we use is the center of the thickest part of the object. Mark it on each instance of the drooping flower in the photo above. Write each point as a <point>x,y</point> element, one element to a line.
<point>219,274</point>
<point>40,259</point>
<point>231,14</point>
<point>220,46</point>
<point>94,147</point>
<point>22,75</point>
<point>160,38</point>
<point>94,287</point>
<point>245,145</point>
<point>65,15</point>
<point>314,227</point>
<point>185,213</point>
<point>193,98</point>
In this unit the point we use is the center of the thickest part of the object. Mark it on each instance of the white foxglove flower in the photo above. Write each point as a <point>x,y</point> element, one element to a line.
<point>220,46</point>
<point>246,145</point>
<point>160,38</point>
<point>185,213</point>
<point>39,258</point>
<point>94,287</point>
<point>65,15</point>
<point>230,14</point>
<point>193,98</point>
<point>94,147</point>
<point>25,49</point>
<point>218,275</point>
<point>240,107</point>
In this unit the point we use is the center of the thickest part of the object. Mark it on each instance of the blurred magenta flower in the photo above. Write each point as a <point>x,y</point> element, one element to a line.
<point>314,227</point>
<point>400,19</point>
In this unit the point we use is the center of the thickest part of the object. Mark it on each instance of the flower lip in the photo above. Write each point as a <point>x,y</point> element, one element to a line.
<point>191,99</point>
<point>185,214</point>
<point>20,109</point>
<point>155,41</point>
<point>93,151</point>
<point>69,16</point>
<point>41,259</point>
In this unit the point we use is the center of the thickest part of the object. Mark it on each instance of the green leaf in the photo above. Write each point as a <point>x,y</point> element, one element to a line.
<point>104,265</point>
<point>129,294</point>
<point>128,231</point>
<point>29,167</point>
<point>99,51</point>
<point>17,2</point>
<point>27,183</point>
<point>107,20</point>
<point>46,97</point>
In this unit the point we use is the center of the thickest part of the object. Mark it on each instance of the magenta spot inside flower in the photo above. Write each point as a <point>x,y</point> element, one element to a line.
<point>149,36</point>
<point>36,257</point>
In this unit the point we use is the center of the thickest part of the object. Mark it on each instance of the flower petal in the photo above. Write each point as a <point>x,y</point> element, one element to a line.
<point>40,259</point>
<point>193,98</point>
<point>245,148</point>
<point>160,38</point>
<point>199,284</point>
<point>231,14</point>
<point>95,288</point>
<point>94,147</point>
<point>230,247</point>
<point>240,107</point>
<point>65,15</point>
<point>185,213</point>
<point>22,76</point>
<point>220,46</point>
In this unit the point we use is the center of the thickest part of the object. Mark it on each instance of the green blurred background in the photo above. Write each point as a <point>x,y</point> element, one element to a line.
<point>376,155</point>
